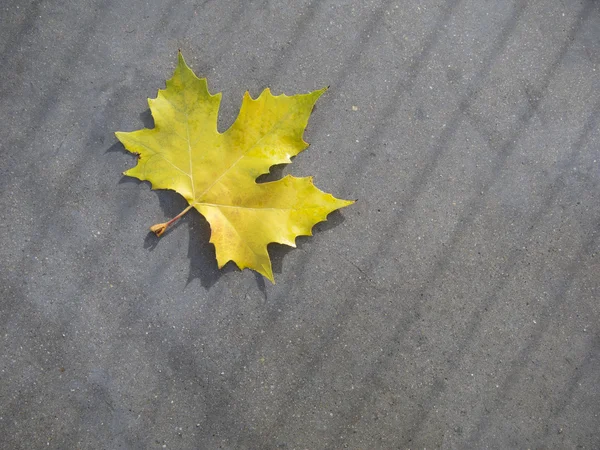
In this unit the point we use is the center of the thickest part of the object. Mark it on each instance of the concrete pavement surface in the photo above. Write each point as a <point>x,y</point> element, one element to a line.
<point>456,305</point>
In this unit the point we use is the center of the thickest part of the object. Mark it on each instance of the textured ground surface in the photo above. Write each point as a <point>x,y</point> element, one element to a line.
<point>456,305</point>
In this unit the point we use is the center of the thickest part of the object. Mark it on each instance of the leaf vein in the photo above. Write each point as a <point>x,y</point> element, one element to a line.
<point>160,155</point>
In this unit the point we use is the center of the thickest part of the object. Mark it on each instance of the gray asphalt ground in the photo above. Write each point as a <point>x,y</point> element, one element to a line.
<point>455,305</point>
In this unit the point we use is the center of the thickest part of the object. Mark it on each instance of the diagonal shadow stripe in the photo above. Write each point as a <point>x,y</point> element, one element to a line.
<point>589,365</point>
<point>302,25</point>
<point>13,44</point>
<point>518,364</point>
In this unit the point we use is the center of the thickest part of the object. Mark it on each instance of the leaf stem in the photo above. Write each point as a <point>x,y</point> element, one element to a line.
<point>160,228</point>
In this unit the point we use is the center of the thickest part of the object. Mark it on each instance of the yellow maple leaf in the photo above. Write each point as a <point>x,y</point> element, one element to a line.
<point>217,172</point>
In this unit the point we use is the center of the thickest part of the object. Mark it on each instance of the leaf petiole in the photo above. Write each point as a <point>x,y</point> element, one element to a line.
<point>160,228</point>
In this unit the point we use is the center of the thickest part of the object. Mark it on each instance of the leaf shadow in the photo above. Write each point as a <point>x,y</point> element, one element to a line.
<point>201,253</point>
<point>275,173</point>
<point>116,147</point>
<point>147,119</point>
<point>171,206</point>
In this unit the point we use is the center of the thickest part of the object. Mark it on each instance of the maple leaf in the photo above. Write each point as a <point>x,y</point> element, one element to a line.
<point>216,172</point>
